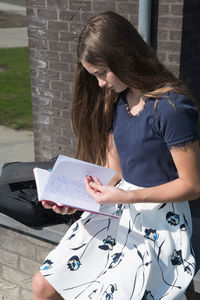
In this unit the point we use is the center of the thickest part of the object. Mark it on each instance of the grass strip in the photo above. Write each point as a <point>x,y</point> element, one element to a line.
<point>15,91</point>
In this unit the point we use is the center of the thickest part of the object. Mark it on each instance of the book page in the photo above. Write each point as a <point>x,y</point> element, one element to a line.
<point>66,184</point>
<point>103,173</point>
<point>41,179</point>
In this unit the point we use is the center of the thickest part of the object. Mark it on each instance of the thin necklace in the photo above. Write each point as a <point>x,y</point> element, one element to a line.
<point>135,102</point>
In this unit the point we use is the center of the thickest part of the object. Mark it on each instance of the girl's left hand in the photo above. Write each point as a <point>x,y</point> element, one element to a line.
<point>105,194</point>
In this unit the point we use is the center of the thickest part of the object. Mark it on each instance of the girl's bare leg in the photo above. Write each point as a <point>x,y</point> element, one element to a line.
<point>42,290</point>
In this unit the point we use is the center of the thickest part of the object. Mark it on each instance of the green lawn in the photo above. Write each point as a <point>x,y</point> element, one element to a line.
<point>15,95</point>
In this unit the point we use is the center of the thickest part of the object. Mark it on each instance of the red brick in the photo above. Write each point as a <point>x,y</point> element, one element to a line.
<point>32,33</point>
<point>175,35</point>
<point>173,58</point>
<point>67,76</point>
<point>127,7</point>
<point>37,44</point>
<point>52,112</point>
<point>70,16</point>
<point>164,9</point>
<point>172,1</point>
<point>33,53</point>
<point>65,114</point>
<point>163,35</point>
<point>61,123</point>
<point>76,27</point>
<point>69,57</point>
<point>49,55</point>
<point>40,101</point>
<point>169,46</point>
<point>61,4</point>
<point>37,3</point>
<point>36,23</point>
<point>78,5</point>
<point>86,16</point>
<point>133,19</point>
<point>53,94</point>
<point>171,23</point>
<point>60,104</point>
<point>35,81</point>
<point>58,46</point>
<point>66,36</point>
<point>59,66</point>
<point>103,6</point>
<point>31,12</point>
<point>48,35</point>
<point>67,97</point>
<point>60,85</point>
<point>52,75</point>
<point>57,25</point>
<point>176,9</point>
<point>43,119</point>
<point>37,63</point>
<point>35,108</point>
<point>49,14</point>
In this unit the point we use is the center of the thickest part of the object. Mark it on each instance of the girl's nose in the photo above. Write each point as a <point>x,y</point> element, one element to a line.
<point>101,82</point>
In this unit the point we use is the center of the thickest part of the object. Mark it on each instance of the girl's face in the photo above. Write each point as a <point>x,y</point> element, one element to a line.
<point>105,77</point>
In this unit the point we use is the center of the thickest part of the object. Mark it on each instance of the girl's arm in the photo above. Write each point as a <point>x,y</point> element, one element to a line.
<point>185,187</point>
<point>113,161</point>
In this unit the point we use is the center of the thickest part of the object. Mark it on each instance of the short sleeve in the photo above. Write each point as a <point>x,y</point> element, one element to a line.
<point>176,119</point>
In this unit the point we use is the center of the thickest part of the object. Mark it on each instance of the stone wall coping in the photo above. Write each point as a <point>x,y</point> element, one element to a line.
<point>51,233</point>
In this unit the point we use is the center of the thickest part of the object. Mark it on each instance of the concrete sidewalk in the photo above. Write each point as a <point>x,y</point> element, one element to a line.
<point>16,145</point>
<point>12,8</point>
<point>13,37</point>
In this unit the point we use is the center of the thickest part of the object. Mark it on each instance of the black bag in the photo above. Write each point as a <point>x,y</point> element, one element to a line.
<point>18,195</point>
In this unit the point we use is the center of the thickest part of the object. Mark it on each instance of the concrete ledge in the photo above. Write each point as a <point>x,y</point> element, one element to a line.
<point>51,233</point>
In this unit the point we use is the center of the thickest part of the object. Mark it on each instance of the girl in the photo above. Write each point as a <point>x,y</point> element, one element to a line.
<point>132,115</point>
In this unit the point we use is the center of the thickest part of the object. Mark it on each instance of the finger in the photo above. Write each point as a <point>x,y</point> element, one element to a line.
<point>60,209</point>
<point>96,180</point>
<point>71,210</point>
<point>87,183</point>
<point>47,204</point>
<point>96,186</point>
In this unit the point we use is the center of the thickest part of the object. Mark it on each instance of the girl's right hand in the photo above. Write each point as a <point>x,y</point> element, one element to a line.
<point>63,210</point>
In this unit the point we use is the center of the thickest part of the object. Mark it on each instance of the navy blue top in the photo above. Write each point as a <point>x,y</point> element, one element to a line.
<point>144,141</point>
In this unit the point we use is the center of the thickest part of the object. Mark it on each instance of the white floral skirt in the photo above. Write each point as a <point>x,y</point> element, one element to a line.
<point>146,254</point>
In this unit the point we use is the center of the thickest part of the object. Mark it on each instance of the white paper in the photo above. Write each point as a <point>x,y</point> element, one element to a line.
<point>41,179</point>
<point>65,185</point>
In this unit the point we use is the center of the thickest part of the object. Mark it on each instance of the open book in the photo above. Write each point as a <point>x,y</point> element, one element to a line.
<point>64,185</point>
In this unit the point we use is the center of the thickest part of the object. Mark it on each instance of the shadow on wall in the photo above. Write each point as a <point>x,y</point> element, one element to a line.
<point>190,49</point>
<point>154,24</point>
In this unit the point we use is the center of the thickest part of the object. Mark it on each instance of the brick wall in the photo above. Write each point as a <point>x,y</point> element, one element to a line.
<point>20,258</point>
<point>190,50</point>
<point>53,26</point>
<point>167,33</point>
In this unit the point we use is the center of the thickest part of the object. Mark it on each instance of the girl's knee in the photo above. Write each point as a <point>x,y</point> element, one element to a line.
<point>41,287</point>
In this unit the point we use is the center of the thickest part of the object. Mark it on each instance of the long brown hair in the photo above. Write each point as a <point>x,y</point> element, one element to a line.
<point>109,39</point>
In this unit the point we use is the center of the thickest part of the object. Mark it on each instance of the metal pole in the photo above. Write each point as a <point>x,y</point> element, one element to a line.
<point>144,20</point>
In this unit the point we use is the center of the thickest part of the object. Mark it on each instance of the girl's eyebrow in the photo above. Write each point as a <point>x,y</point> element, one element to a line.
<point>95,72</point>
